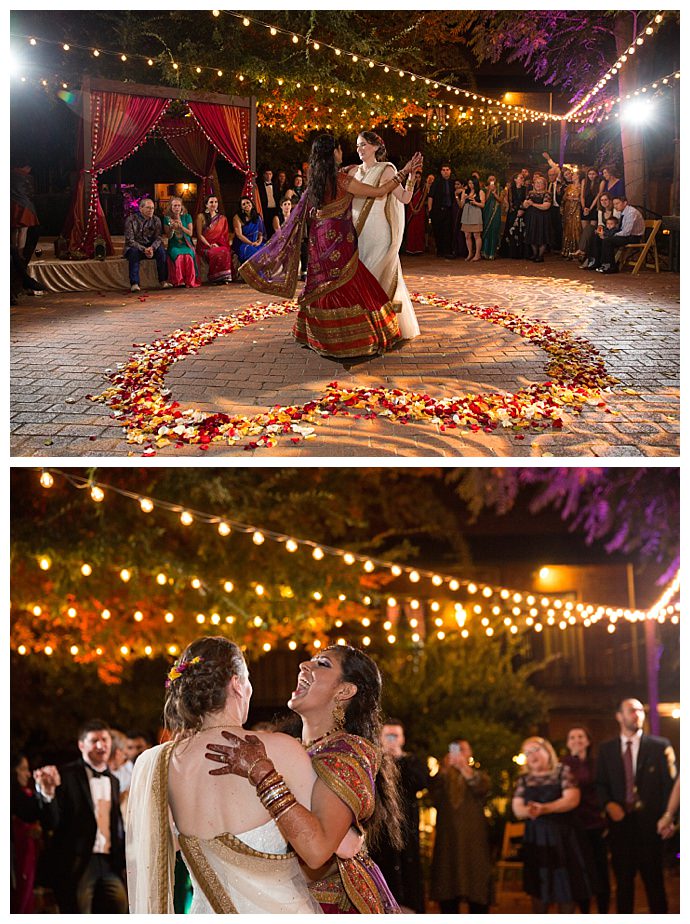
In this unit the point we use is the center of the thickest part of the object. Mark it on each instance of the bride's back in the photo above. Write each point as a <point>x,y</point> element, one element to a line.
<point>205,806</point>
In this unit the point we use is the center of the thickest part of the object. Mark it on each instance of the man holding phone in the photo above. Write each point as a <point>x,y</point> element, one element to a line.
<point>461,865</point>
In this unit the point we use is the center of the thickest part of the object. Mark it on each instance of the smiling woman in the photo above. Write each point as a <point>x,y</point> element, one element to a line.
<point>337,696</point>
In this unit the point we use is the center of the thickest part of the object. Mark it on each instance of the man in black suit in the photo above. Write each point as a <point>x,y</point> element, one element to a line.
<point>635,774</point>
<point>89,844</point>
<point>269,201</point>
<point>440,207</point>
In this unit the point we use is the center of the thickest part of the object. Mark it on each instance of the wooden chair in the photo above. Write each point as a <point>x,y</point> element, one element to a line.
<point>510,860</point>
<point>643,250</point>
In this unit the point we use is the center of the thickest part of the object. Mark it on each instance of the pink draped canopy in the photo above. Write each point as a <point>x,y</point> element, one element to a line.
<point>120,123</point>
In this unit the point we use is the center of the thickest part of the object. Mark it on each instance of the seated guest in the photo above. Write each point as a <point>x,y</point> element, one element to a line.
<point>284,213</point>
<point>249,230</point>
<point>182,268</point>
<point>213,242</point>
<point>631,232</point>
<point>593,253</point>
<point>143,241</point>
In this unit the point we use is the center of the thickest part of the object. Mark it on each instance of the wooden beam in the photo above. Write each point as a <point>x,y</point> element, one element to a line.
<point>194,96</point>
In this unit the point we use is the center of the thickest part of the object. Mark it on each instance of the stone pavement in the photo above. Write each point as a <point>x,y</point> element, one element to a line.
<point>62,343</point>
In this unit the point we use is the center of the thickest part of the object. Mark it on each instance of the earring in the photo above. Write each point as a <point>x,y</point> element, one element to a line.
<point>338,717</point>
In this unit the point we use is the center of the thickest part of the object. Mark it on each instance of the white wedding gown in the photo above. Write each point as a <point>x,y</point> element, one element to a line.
<point>250,873</point>
<point>379,237</point>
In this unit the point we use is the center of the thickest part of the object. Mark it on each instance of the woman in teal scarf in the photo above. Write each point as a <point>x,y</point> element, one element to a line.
<point>491,234</point>
<point>182,268</point>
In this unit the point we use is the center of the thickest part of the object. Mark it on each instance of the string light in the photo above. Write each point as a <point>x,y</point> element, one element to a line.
<point>615,68</point>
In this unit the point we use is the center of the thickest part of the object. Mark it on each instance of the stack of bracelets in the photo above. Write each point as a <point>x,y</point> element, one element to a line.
<point>274,794</point>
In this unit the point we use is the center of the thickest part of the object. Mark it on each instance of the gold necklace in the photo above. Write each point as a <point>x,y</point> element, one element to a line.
<point>310,744</point>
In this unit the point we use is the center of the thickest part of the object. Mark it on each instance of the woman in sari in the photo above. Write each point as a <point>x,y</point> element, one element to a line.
<point>337,697</point>
<point>380,225</point>
<point>570,208</point>
<point>177,224</point>
<point>249,230</point>
<point>213,242</point>
<point>416,218</point>
<point>343,311</point>
<point>239,861</point>
<point>491,219</point>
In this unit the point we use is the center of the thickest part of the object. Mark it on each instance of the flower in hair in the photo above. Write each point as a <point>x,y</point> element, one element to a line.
<point>178,669</point>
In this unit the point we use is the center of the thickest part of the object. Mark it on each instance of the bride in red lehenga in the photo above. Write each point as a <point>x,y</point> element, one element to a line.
<point>343,311</point>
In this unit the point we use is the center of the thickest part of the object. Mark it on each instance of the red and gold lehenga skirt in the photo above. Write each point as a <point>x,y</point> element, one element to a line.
<point>343,311</point>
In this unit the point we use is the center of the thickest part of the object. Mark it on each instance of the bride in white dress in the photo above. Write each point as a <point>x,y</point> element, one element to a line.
<point>380,224</point>
<point>238,860</point>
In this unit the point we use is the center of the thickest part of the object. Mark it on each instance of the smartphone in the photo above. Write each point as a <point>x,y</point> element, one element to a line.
<point>454,748</point>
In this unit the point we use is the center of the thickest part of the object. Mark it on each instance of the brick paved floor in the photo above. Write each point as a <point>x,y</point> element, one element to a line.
<point>61,344</point>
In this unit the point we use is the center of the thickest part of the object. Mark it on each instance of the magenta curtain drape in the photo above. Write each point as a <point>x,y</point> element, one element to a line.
<point>227,127</point>
<point>119,124</point>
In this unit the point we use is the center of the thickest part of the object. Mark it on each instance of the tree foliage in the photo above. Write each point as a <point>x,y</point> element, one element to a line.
<point>466,148</point>
<point>477,688</point>
<point>634,511</point>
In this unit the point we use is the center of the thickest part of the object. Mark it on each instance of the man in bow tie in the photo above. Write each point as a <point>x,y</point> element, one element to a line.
<point>88,844</point>
<point>269,205</point>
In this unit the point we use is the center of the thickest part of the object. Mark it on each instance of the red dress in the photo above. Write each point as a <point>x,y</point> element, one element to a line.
<point>343,311</point>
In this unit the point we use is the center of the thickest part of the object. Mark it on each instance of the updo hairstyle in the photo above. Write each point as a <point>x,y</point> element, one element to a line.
<point>201,687</point>
<point>378,142</point>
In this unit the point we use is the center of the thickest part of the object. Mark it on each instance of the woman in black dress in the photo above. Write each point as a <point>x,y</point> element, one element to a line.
<point>538,228</point>
<point>590,815</point>
<point>546,795</point>
<point>513,243</point>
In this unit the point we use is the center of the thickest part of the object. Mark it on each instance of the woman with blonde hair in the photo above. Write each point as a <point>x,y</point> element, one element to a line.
<point>545,798</point>
<point>178,228</point>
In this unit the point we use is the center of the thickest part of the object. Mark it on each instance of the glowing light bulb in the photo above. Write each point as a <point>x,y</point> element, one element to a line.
<point>349,558</point>
<point>215,618</point>
<point>318,553</point>
<point>86,569</point>
<point>291,545</point>
<point>224,528</point>
<point>71,612</point>
<point>195,583</point>
<point>44,563</point>
<point>146,505</point>
<point>258,537</point>
<point>65,47</point>
<point>48,650</point>
<point>245,21</point>
<point>391,601</point>
<point>125,575</point>
<point>317,595</point>
<point>148,650</point>
<point>138,616</point>
<point>292,645</point>
<point>186,519</point>
<point>106,614</point>
<point>46,480</point>
<point>259,590</point>
<point>414,576</point>
<point>471,588</point>
<point>366,641</point>
<point>228,587</point>
<point>169,617</point>
<point>396,570</point>
<point>366,622</point>
<point>317,643</point>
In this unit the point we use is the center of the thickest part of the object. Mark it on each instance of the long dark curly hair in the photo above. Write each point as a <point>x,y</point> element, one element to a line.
<point>323,173</point>
<point>201,688</point>
<point>363,717</point>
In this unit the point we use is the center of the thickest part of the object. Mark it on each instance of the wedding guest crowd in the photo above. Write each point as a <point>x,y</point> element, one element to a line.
<point>576,809</point>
